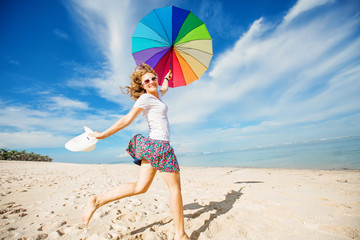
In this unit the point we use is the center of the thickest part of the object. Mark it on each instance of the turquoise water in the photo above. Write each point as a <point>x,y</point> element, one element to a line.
<point>339,153</point>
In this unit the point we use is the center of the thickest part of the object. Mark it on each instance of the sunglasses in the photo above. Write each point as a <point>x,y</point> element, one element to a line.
<point>147,81</point>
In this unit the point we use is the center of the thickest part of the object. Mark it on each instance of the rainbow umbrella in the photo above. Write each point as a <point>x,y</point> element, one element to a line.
<point>173,39</point>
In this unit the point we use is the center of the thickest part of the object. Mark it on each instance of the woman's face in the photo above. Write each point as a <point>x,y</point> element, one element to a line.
<point>150,82</point>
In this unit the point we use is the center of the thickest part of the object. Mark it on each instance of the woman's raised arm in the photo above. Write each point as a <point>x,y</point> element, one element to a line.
<point>165,84</point>
<point>120,124</point>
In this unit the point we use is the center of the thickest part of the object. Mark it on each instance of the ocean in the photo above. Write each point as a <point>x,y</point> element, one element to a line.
<point>330,154</point>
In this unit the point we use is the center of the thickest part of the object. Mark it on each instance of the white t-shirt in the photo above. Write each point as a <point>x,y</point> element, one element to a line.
<point>155,112</point>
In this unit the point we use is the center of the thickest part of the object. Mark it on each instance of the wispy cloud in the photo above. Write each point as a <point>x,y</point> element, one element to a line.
<point>279,82</point>
<point>32,139</point>
<point>302,6</point>
<point>61,102</point>
<point>214,16</point>
<point>278,77</point>
<point>15,62</point>
<point>110,25</point>
<point>275,76</point>
<point>52,121</point>
<point>61,34</point>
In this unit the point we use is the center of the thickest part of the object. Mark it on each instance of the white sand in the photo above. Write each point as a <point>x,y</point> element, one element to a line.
<point>46,201</point>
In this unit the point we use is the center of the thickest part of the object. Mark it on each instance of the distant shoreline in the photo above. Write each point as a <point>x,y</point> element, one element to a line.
<point>194,167</point>
<point>15,155</point>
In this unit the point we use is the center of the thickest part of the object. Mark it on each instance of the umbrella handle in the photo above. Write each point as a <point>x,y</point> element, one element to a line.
<point>171,56</point>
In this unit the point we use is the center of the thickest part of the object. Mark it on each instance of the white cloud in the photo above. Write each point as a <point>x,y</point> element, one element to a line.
<point>61,34</point>
<point>272,72</point>
<point>30,139</point>
<point>302,6</point>
<point>280,84</point>
<point>15,62</point>
<point>61,102</point>
<point>110,25</point>
<point>123,155</point>
<point>276,83</point>
<point>263,134</point>
<point>27,127</point>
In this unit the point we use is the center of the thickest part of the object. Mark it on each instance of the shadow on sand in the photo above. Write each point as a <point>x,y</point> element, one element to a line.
<point>219,208</point>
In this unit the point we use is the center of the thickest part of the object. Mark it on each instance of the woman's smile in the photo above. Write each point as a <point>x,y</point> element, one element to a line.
<point>150,82</point>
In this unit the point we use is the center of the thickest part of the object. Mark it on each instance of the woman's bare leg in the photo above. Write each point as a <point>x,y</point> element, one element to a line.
<point>176,204</point>
<point>146,176</point>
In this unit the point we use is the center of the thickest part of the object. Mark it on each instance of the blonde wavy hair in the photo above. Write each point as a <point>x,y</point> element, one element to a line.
<point>136,88</point>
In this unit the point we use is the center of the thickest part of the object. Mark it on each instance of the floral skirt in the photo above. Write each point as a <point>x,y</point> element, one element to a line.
<point>158,152</point>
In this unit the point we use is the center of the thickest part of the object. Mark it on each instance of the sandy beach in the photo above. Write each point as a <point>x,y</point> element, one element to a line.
<point>46,200</point>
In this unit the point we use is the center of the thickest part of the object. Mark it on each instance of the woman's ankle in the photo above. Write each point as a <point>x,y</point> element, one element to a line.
<point>181,235</point>
<point>96,201</point>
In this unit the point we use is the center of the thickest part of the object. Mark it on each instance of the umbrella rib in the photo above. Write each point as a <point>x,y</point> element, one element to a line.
<point>166,41</point>
<point>190,32</point>
<point>188,65</point>
<point>147,58</point>
<point>179,48</point>
<point>163,27</point>
<point>182,52</point>
<point>153,32</point>
<point>151,40</point>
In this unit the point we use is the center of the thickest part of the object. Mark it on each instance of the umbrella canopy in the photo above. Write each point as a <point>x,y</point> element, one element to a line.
<point>173,39</point>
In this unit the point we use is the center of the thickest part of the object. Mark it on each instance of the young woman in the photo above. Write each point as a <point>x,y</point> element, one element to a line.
<point>152,153</point>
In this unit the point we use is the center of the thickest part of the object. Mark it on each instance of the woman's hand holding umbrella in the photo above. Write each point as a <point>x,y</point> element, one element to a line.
<point>168,75</point>
<point>165,84</point>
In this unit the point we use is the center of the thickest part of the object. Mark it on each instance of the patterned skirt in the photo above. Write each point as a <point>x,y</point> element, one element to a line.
<point>158,152</point>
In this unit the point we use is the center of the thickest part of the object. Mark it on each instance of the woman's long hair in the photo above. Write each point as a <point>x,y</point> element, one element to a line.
<point>136,88</point>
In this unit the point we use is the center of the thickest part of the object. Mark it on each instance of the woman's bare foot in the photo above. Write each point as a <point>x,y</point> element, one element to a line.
<point>181,237</point>
<point>89,210</point>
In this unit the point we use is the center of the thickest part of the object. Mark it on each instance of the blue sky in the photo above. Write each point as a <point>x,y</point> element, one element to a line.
<point>282,72</point>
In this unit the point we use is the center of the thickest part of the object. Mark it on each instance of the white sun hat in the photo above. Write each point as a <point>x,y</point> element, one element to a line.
<point>82,142</point>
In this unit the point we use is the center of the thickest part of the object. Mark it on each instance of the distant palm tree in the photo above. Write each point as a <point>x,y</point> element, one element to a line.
<point>14,155</point>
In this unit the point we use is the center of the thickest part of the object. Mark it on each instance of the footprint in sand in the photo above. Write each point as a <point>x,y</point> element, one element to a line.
<point>41,236</point>
<point>118,228</point>
<point>11,212</point>
<point>62,223</point>
<point>136,202</point>
<point>40,229</point>
<point>132,218</point>
<point>11,229</point>
<point>214,227</point>
<point>120,217</point>
<point>103,214</point>
<point>56,235</point>
<point>22,214</point>
<point>60,232</point>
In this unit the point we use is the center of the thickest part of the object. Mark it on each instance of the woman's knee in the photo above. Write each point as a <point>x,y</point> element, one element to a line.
<point>175,189</point>
<point>140,188</point>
